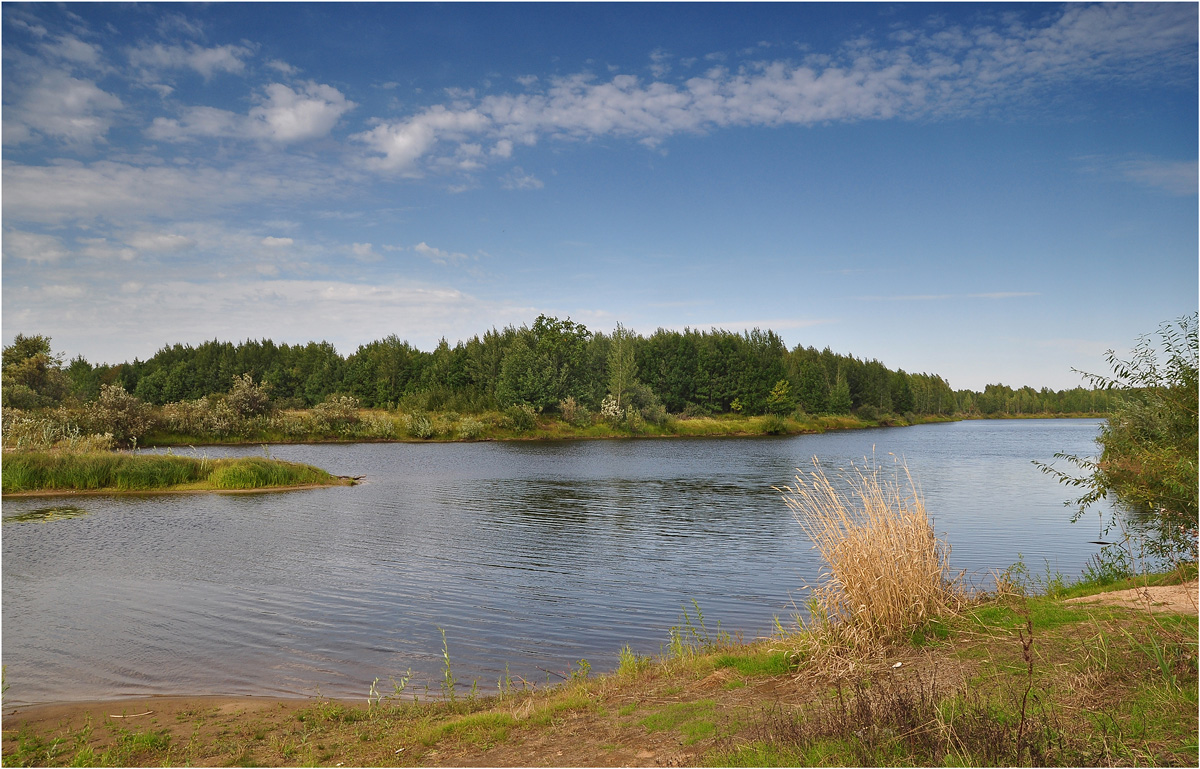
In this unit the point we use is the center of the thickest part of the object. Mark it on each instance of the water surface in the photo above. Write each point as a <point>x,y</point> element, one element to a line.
<point>530,555</point>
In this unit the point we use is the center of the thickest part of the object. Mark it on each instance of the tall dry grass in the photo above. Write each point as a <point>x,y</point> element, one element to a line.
<point>886,572</point>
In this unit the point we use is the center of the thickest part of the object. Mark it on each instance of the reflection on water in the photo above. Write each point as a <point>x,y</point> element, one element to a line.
<point>46,514</point>
<point>534,555</point>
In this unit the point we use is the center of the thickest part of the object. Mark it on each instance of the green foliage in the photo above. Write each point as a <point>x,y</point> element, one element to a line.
<point>336,414</point>
<point>780,401</point>
<point>1148,458</point>
<point>839,397</point>
<point>419,425</point>
<point>32,374</point>
<point>521,418</point>
<point>119,414</point>
<point>622,367</point>
<point>248,399</point>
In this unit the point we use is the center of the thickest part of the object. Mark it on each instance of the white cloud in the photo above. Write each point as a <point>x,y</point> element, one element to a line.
<point>77,192</point>
<point>160,242</point>
<point>283,116</point>
<point>58,106</point>
<point>282,67</point>
<point>273,242</point>
<point>287,115</point>
<point>1175,177</point>
<point>437,255</point>
<point>33,246</point>
<point>365,252</point>
<point>72,49</point>
<point>517,179</point>
<point>945,72</point>
<point>403,143</point>
<point>206,61</point>
<point>104,250</point>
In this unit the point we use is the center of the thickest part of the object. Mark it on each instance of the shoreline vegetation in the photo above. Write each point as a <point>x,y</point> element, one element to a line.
<point>554,379</point>
<point>30,473</point>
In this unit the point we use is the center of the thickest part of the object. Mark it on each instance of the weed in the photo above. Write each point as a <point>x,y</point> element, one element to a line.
<point>887,571</point>
<point>447,673</point>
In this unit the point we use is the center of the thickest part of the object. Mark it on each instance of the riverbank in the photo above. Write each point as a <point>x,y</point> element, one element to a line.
<point>1009,679</point>
<point>385,426</point>
<point>59,473</point>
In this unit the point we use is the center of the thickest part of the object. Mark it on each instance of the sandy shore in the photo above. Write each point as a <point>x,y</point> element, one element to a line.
<point>1176,599</point>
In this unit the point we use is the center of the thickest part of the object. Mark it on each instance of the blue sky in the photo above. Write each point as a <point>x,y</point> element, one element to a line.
<point>993,193</point>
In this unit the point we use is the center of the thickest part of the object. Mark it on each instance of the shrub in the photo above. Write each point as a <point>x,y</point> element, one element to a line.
<point>419,425</point>
<point>469,429</point>
<point>247,399</point>
<point>574,413</point>
<point>376,426</point>
<point>336,414</point>
<point>520,417</point>
<point>887,571</point>
<point>119,414</point>
<point>1149,444</point>
<point>610,412</point>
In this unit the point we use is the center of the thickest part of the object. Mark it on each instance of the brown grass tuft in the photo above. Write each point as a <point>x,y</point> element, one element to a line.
<point>887,572</point>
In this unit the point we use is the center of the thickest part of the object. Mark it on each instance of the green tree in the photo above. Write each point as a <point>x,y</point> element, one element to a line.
<point>780,400</point>
<point>32,374</point>
<point>1148,457</point>
<point>839,396</point>
<point>622,368</point>
<point>526,378</point>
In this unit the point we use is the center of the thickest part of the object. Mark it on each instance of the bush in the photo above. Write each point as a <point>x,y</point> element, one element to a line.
<point>887,571</point>
<point>419,425</point>
<point>575,414</point>
<point>336,414</point>
<point>247,399</point>
<point>119,414</point>
<point>469,429</point>
<point>521,418</point>
<point>867,413</point>
<point>1148,458</point>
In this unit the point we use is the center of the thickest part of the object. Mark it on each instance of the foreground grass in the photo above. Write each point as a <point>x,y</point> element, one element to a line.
<point>25,472</point>
<point>1007,681</point>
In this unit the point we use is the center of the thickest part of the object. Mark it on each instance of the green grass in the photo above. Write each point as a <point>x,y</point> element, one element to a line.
<point>37,471</point>
<point>770,664</point>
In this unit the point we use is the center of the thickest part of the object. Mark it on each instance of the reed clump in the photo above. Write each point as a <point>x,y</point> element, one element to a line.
<point>886,572</point>
<point>258,473</point>
<point>58,471</point>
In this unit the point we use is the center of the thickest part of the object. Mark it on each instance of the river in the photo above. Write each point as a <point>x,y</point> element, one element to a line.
<point>529,555</point>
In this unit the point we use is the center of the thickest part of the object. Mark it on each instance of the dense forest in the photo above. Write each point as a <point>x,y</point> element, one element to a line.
<point>546,366</point>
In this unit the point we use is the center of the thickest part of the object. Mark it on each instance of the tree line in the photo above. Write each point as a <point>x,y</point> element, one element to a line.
<point>547,366</point>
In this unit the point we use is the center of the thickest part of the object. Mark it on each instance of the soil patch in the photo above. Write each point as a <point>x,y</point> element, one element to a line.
<point>1171,599</point>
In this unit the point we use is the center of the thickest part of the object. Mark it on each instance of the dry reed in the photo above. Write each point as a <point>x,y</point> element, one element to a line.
<point>886,571</point>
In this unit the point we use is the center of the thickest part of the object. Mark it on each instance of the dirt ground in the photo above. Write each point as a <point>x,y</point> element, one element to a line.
<point>1175,599</point>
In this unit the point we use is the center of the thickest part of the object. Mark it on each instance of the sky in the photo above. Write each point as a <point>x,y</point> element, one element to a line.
<point>992,193</point>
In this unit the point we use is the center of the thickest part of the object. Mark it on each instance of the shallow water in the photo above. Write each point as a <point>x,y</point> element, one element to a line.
<point>530,555</point>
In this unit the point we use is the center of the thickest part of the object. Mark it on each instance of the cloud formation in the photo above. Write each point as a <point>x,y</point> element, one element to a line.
<point>938,73</point>
<point>283,115</point>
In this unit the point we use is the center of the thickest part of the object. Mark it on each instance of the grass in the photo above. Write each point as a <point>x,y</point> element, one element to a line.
<point>887,573</point>
<point>108,471</point>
